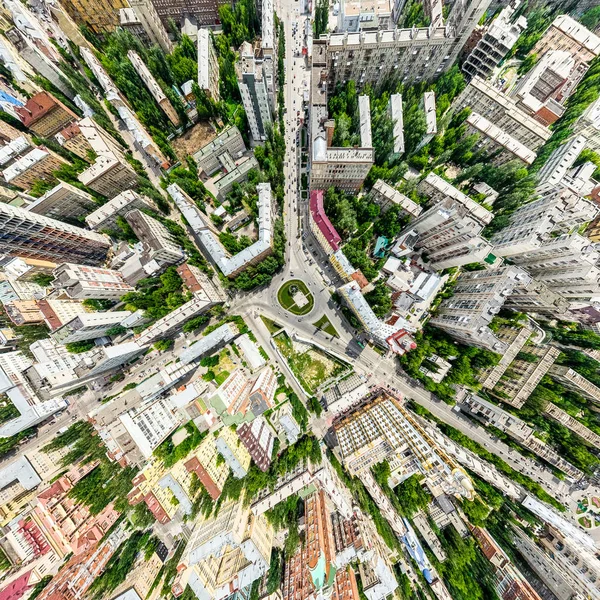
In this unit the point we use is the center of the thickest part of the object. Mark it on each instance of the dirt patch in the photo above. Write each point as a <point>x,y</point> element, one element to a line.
<point>193,139</point>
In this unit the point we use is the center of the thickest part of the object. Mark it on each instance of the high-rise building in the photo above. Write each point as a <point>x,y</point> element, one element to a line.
<point>45,115</point>
<point>483,98</point>
<point>205,12</point>
<point>259,440</point>
<point>81,282</point>
<point>556,169</point>
<point>537,298</point>
<point>500,146</point>
<point>492,415</point>
<point>401,54</point>
<point>495,44</point>
<point>262,392</point>
<point>38,165</point>
<point>311,571</point>
<point>524,374</point>
<point>153,86</point>
<point>573,381</point>
<point>227,552</point>
<point>566,34</point>
<point>395,113</point>
<point>386,197</point>
<point>208,65</point>
<point>252,80</point>
<point>150,23</point>
<point>63,201</point>
<point>32,409</point>
<point>101,16</point>
<point>448,233</point>
<point>159,244</point>
<point>89,326</point>
<point>557,210</point>
<point>478,296</point>
<point>26,234</point>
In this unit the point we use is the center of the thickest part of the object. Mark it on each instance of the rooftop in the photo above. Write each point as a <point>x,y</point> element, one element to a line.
<point>24,163</point>
<point>322,221</point>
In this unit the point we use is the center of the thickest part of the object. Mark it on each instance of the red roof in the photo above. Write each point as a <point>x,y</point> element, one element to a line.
<point>322,220</point>
<point>17,588</point>
<point>358,276</point>
<point>36,107</point>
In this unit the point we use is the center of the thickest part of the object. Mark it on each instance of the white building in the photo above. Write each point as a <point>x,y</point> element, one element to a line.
<point>395,112</point>
<point>477,297</point>
<point>89,326</point>
<point>63,201</point>
<point>360,15</point>
<point>105,217</point>
<point>395,338</point>
<point>81,282</point>
<point>206,235</point>
<point>252,81</point>
<point>495,44</point>
<point>208,65</point>
<point>209,343</point>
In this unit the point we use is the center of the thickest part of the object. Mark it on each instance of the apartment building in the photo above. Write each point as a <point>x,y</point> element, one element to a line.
<point>81,530</point>
<point>150,23</point>
<point>206,235</point>
<point>509,583</point>
<point>438,189</point>
<point>395,113</point>
<point>345,168</point>
<point>478,296</point>
<point>495,44</point>
<point>221,152</point>
<point>394,337</point>
<point>109,175</point>
<point>491,415</point>
<point>556,169</point>
<point>72,138</point>
<point>210,343</point>
<point>359,15</point>
<point>262,393</point>
<point>81,282</point>
<point>59,311</point>
<point>588,125</point>
<point>515,338</point>
<point>259,440</point>
<point>448,233</point>
<point>300,583</point>
<point>158,243</point>
<point>483,98</point>
<point>500,146</point>
<point>37,165</point>
<point>557,210</point>
<point>232,395</point>
<point>45,115</point>
<point>173,322</point>
<point>88,326</point>
<point>226,553</point>
<point>567,34</point>
<point>13,150</point>
<point>101,16</point>
<point>525,374</point>
<point>252,81</point>
<point>205,12</point>
<point>209,469</point>
<point>567,264</point>
<point>153,87</point>
<point>221,185</point>
<point>77,575</point>
<point>573,381</point>
<point>379,429</point>
<point>235,454</point>
<point>386,197</point>
<point>105,216</point>
<point>63,201</point>
<point>208,65</point>
<point>29,235</point>
<point>571,423</point>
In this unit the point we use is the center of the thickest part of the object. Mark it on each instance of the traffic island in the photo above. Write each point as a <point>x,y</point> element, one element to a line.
<point>295,297</point>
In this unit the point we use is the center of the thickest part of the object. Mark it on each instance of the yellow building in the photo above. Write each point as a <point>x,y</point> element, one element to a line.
<point>101,16</point>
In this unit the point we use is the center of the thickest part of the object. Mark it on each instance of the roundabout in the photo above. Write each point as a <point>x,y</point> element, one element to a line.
<point>295,297</point>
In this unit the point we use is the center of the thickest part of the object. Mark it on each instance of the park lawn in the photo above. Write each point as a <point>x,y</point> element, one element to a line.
<point>324,324</point>
<point>284,297</point>
<point>312,368</point>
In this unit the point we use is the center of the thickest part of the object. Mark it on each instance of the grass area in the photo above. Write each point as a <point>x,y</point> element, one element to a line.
<point>271,325</point>
<point>286,293</point>
<point>311,366</point>
<point>324,324</point>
